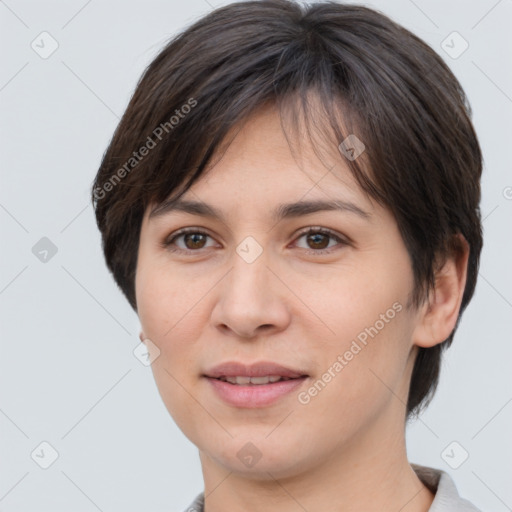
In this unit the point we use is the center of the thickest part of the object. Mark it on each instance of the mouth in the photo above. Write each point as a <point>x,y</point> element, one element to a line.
<point>255,381</point>
<point>256,385</point>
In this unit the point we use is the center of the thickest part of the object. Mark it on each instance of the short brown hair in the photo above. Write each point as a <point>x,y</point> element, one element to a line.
<point>395,93</point>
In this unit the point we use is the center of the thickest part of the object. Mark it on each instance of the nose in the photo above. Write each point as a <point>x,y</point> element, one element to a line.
<point>251,300</point>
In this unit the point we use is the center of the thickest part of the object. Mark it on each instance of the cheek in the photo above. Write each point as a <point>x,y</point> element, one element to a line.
<point>167,301</point>
<point>172,316</point>
<point>358,381</point>
<point>362,299</point>
<point>169,320</point>
<point>365,352</point>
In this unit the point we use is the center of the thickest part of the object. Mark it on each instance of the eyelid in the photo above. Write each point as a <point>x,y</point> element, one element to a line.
<point>322,230</point>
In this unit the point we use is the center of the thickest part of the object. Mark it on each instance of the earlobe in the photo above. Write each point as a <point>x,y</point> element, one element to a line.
<point>438,317</point>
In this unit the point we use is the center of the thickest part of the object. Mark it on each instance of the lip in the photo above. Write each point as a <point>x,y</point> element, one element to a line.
<point>261,369</point>
<point>253,396</point>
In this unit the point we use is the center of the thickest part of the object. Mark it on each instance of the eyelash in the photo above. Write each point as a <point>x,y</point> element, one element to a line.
<point>309,231</point>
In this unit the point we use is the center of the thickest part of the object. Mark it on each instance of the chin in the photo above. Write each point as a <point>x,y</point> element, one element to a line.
<point>258,457</point>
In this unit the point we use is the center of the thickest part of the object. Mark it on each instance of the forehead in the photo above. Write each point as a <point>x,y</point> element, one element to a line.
<point>265,172</point>
<point>262,174</point>
<point>262,161</point>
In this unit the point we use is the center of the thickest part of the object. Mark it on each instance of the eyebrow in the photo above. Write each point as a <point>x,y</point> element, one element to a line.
<point>283,211</point>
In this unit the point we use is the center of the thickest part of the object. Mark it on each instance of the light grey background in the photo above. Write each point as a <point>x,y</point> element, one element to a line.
<point>68,375</point>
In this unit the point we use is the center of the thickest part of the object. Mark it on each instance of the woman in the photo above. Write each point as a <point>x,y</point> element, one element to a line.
<point>290,203</point>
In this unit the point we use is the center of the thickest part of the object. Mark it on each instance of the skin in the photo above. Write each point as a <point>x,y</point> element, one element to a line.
<point>345,449</point>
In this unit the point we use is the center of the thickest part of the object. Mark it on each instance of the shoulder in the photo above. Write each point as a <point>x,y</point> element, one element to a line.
<point>447,498</point>
<point>197,505</point>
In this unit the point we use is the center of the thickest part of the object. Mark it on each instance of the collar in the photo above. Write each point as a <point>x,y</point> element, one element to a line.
<point>446,498</point>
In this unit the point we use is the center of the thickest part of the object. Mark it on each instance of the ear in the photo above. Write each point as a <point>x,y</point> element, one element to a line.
<point>438,316</point>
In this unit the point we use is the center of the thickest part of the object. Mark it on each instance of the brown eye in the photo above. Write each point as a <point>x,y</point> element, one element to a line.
<point>194,240</point>
<point>187,240</point>
<point>318,240</point>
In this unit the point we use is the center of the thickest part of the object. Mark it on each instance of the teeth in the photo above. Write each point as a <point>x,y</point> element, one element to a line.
<point>264,380</point>
<point>244,381</point>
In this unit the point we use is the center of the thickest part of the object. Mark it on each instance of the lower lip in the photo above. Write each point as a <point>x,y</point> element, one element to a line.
<point>251,396</point>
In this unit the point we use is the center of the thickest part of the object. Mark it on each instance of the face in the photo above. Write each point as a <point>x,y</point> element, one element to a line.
<point>322,293</point>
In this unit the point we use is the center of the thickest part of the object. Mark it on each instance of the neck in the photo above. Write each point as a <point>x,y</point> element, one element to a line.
<point>372,474</point>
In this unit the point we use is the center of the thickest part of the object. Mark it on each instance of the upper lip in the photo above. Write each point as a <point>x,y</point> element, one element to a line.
<point>261,369</point>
